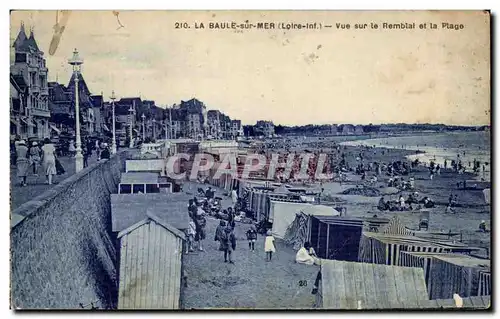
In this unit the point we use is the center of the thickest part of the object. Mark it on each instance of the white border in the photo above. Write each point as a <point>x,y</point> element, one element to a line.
<point>185,4</point>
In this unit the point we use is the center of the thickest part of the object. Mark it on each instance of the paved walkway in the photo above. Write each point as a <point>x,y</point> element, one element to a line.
<point>251,282</point>
<point>36,184</point>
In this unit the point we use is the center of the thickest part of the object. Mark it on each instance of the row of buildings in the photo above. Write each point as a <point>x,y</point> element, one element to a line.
<point>40,109</point>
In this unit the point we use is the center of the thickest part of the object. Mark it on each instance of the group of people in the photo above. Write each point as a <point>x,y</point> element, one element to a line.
<point>224,233</point>
<point>36,156</point>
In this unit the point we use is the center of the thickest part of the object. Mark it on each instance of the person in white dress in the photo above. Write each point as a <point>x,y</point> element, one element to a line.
<point>49,160</point>
<point>306,255</point>
<point>269,246</point>
<point>234,197</point>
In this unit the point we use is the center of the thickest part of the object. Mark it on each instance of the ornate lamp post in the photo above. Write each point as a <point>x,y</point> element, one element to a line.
<point>131,142</point>
<point>143,127</point>
<point>166,131</point>
<point>154,129</point>
<point>113,145</point>
<point>76,62</point>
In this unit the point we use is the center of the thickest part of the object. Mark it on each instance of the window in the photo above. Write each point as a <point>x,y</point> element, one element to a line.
<point>20,57</point>
<point>152,188</point>
<point>125,189</point>
<point>136,188</point>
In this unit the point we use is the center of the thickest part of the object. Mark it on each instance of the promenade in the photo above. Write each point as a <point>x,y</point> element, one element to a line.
<point>37,184</point>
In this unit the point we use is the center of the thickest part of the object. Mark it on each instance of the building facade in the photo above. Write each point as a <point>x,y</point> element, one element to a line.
<point>265,128</point>
<point>29,64</point>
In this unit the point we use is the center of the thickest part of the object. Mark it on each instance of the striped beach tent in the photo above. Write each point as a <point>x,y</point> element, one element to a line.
<point>384,249</point>
<point>484,283</point>
<point>447,274</point>
<point>396,227</point>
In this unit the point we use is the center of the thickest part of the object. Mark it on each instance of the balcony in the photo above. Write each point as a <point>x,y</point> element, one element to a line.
<point>34,89</point>
<point>40,112</point>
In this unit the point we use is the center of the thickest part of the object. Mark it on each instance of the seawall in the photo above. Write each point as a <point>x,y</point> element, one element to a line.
<point>62,252</point>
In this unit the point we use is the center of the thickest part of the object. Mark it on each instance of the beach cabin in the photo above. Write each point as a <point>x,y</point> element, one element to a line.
<point>448,274</point>
<point>150,274</point>
<point>484,283</point>
<point>336,237</point>
<point>144,182</point>
<point>128,209</point>
<point>384,248</point>
<point>346,285</point>
<point>146,165</point>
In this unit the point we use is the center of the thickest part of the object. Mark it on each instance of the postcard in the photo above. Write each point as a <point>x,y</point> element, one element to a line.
<point>249,160</point>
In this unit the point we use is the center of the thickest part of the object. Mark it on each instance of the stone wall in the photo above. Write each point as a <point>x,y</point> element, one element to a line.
<point>62,250</point>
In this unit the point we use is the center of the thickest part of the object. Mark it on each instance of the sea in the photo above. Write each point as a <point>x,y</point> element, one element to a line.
<point>438,147</point>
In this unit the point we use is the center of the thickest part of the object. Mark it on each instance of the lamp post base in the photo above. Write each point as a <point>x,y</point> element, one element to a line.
<point>78,161</point>
<point>113,148</point>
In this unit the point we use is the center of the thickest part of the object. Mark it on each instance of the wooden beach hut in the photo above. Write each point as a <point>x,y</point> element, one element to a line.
<point>448,274</point>
<point>384,249</point>
<point>127,209</point>
<point>348,285</point>
<point>144,183</point>
<point>484,283</point>
<point>150,274</point>
<point>139,178</point>
<point>335,238</point>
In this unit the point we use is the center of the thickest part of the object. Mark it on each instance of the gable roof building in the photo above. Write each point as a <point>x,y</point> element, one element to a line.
<point>150,265</point>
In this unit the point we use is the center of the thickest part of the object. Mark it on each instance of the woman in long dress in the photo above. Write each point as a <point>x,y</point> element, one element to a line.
<point>49,160</point>
<point>22,162</point>
<point>35,157</point>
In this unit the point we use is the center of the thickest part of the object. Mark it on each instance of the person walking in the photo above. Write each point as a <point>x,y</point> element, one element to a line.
<point>49,160</point>
<point>98,149</point>
<point>35,157</point>
<point>191,232</point>
<point>251,237</point>
<point>231,222</point>
<point>234,197</point>
<point>269,246</point>
<point>200,222</point>
<point>71,148</point>
<point>105,154</point>
<point>22,161</point>
<point>219,231</point>
<point>228,244</point>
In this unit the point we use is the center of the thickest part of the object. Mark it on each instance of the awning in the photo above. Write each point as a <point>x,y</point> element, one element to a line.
<point>28,122</point>
<point>105,127</point>
<point>55,129</point>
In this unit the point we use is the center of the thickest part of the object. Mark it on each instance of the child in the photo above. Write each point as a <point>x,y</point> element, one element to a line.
<point>190,234</point>
<point>219,231</point>
<point>252,237</point>
<point>269,246</point>
<point>227,244</point>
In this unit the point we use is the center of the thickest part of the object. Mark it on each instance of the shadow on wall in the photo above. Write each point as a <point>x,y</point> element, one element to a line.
<point>62,254</point>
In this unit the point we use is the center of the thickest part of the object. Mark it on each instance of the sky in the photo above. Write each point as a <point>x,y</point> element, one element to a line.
<point>292,77</point>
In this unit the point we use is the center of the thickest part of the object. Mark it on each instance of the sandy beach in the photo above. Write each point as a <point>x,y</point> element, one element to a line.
<point>470,206</point>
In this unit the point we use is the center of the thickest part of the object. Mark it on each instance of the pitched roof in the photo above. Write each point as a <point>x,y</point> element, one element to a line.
<point>353,285</point>
<point>82,85</point>
<point>18,82</point>
<point>128,209</point>
<point>152,217</point>
<point>21,37</point>
<point>32,42</point>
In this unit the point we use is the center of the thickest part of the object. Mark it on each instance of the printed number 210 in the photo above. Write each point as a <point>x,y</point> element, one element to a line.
<point>302,283</point>
<point>181,25</point>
